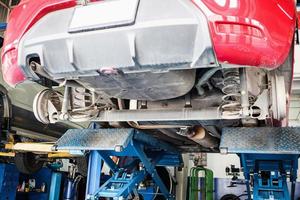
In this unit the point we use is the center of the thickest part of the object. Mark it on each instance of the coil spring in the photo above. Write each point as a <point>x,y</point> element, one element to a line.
<point>82,98</point>
<point>55,99</point>
<point>231,106</point>
<point>82,103</point>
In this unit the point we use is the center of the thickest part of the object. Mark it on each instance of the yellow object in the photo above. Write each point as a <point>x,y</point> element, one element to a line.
<point>38,148</point>
<point>8,154</point>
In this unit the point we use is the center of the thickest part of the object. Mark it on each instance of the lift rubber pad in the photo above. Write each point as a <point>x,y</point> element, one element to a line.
<point>94,139</point>
<point>267,140</point>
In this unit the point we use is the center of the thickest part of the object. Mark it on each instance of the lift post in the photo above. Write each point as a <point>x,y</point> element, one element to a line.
<point>103,144</point>
<point>269,156</point>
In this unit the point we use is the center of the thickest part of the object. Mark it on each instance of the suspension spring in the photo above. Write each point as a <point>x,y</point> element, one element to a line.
<point>231,106</point>
<point>82,98</point>
<point>82,103</point>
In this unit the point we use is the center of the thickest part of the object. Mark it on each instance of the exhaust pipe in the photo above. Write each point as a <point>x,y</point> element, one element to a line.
<point>202,137</point>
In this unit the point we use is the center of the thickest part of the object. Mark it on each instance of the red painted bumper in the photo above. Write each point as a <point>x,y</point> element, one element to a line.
<point>21,19</point>
<point>244,32</point>
<point>251,32</point>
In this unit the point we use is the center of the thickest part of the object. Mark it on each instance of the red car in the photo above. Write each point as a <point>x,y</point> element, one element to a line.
<point>181,69</point>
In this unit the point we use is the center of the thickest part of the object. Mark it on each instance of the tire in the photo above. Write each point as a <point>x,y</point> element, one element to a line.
<point>5,113</point>
<point>27,163</point>
<point>230,197</point>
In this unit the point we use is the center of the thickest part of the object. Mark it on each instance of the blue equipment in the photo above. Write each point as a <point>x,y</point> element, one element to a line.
<point>269,155</point>
<point>55,186</point>
<point>105,143</point>
<point>71,184</point>
<point>56,179</point>
<point>2,26</point>
<point>70,189</point>
<point>9,178</point>
<point>270,173</point>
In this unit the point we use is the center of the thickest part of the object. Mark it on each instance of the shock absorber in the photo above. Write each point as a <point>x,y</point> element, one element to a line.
<point>244,93</point>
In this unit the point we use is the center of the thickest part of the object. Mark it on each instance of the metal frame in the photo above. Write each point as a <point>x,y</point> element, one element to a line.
<point>159,115</point>
<point>272,149</point>
<point>104,144</point>
<point>122,184</point>
<point>278,165</point>
<point>42,148</point>
<point>206,191</point>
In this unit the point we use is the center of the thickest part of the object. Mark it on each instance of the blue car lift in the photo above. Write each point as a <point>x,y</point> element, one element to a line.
<point>105,143</point>
<point>269,155</point>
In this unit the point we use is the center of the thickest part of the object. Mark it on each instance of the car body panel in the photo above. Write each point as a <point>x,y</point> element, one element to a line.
<point>157,41</point>
<point>156,56</point>
<point>241,32</point>
<point>260,33</point>
<point>21,18</point>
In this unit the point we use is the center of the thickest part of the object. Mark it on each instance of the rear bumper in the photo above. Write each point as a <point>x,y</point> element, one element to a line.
<point>167,35</point>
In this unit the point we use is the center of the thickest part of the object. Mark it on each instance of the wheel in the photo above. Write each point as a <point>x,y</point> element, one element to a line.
<point>278,96</point>
<point>230,197</point>
<point>5,113</point>
<point>45,101</point>
<point>27,163</point>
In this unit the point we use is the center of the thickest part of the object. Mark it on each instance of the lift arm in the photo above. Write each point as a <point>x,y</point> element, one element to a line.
<point>36,147</point>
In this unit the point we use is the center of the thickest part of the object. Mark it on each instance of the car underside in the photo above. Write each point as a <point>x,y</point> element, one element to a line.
<point>180,70</point>
<point>214,101</point>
